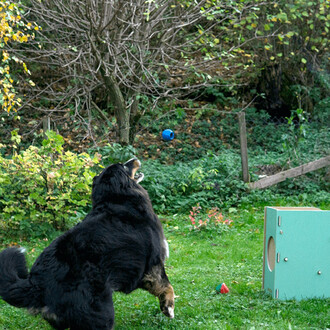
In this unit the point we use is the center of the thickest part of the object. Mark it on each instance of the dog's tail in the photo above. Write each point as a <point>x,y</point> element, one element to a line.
<point>15,288</point>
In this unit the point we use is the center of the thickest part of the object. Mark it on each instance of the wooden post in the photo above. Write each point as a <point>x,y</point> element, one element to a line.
<point>243,143</point>
<point>46,125</point>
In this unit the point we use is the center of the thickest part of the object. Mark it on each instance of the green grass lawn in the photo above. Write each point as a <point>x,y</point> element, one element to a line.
<point>199,261</point>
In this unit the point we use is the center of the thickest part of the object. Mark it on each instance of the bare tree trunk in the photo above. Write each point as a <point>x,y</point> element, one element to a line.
<point>122,112</point>
<point>135,117</point>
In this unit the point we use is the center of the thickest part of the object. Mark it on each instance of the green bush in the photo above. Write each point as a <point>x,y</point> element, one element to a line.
<point>115,153</point>
<point>212,181</point>
<point>215,181</point>
<point>44,188</point>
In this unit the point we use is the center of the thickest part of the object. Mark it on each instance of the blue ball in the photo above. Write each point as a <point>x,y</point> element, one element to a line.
<point>168,135</point>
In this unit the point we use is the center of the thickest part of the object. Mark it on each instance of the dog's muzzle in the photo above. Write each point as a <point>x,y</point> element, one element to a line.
<point>131,167</point>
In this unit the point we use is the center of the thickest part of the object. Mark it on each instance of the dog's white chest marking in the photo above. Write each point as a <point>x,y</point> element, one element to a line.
<point>167,251</point>
<point>22,250</point>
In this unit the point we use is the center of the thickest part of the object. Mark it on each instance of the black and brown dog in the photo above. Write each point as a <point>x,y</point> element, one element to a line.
<point>119,246</point>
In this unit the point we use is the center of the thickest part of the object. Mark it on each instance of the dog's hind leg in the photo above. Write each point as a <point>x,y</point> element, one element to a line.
<point>157,283</point>
<point>99,315</point>
<point>56,324</point>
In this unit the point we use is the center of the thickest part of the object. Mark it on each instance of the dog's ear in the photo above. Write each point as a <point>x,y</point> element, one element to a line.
<point>108,173</point>
<point>95,179</point>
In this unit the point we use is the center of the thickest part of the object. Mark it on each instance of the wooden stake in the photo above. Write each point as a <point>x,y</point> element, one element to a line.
<point>243,143</point>
<point>46,125</point>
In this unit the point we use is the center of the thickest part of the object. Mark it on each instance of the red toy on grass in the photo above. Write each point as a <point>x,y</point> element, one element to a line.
<point>222,288</point>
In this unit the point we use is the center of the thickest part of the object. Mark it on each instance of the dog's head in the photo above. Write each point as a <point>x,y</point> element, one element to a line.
<point>131,167</point>
<point>117,179</point>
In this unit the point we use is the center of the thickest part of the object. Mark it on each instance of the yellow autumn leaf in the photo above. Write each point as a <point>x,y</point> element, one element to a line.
<point>10,23</point>
<point>23,39</point>
<point>25,67</point>
<point>5,56</point>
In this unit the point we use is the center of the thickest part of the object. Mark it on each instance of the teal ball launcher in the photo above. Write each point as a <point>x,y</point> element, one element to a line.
<point>296,253</point>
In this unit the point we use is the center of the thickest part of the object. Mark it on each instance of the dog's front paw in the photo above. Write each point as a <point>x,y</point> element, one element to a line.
<point>166,301</point>
<point>168,311</point>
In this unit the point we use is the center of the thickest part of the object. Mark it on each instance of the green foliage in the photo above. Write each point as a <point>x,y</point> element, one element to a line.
<point>295,134</point>
<point>44,188</point>
<point>321,111</point>
<point>215,181</point>
<point>115,153</point>
<point>271,26</point>
<point>252,36</point>
<point>210,181</point>
<point>211,175</point>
